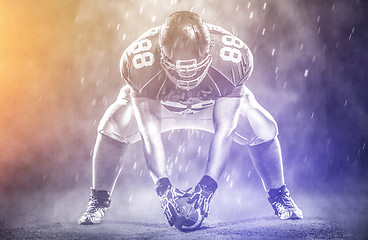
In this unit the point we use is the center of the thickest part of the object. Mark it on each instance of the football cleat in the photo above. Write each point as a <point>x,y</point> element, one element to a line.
<point>283,204</point>
<point>99,202</point>
<point>185,46</point>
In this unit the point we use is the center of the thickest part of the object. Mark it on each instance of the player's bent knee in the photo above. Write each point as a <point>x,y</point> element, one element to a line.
<point>267,134</point>
<point>270,132</point>
<point>118,122</point>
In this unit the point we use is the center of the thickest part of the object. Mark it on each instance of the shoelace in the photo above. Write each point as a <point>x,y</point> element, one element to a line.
<point>287,200</point>
<point>93,205</point>
<point>283,201</point>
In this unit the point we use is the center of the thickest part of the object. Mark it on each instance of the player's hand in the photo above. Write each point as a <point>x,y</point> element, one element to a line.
<point>202,194</point>
<point>169,205</point>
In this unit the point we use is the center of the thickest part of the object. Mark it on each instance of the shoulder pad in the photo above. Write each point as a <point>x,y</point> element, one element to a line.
<point>140,62</point>
<point>231,56</point>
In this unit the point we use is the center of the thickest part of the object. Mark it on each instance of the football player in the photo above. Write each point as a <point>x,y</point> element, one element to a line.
<point>187,74</point>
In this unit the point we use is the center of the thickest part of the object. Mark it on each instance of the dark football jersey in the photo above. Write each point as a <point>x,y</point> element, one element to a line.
<point>232,64</point>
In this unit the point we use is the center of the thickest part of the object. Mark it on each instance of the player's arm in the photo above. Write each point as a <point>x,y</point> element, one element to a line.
<point>148,115</point>
<point>225,116</point>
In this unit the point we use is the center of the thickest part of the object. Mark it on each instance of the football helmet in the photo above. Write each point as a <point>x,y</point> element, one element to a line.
<point>184,45</point>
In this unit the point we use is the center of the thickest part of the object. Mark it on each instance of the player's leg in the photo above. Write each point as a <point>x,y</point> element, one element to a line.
<point>116,129</point>
<point>106,166</point>
<point>258,130</point>
<point>106,162</point>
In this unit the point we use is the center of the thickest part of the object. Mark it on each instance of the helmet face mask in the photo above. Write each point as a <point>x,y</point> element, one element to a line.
<point>184,45</point>
<point>186,74</point>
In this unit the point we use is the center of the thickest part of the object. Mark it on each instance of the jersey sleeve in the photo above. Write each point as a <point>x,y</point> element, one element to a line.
<point>245,70</point>
<point>124,67</point>
<point>139,63</point>
<point>232,62</point>
<point>247,67</point>
<point>125,70</point>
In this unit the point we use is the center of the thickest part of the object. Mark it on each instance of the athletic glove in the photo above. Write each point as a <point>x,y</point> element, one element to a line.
<point>202,194</point>
<point>168,196</point>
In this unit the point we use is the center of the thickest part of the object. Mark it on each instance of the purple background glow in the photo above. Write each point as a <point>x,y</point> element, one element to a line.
<point>60,70</point>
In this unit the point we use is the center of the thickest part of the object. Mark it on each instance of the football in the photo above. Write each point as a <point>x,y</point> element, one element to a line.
<point>189,218</point>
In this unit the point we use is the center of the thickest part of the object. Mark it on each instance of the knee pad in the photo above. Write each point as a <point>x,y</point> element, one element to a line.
<point>118,122</point>
<point>256,125</point>
<point>267,136</point>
